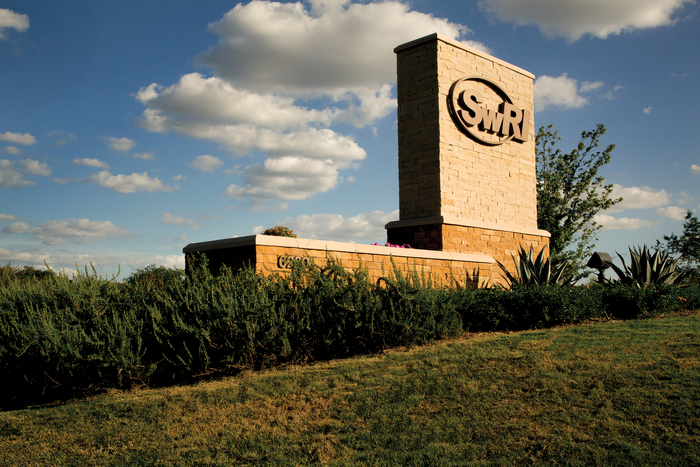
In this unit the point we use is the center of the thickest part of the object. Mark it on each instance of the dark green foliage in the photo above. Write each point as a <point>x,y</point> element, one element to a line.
<point>647,269</point>
<point>62,337</point>
<point>570,193</point>
<point>8,273</point>
<point>536,271</point>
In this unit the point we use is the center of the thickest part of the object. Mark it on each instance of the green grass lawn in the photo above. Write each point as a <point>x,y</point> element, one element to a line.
<point>616,393</point>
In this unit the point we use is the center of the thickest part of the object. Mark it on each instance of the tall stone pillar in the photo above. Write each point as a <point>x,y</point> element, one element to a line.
<point>467,180</point>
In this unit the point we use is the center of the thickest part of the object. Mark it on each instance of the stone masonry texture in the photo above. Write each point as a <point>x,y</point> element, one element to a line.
<point>442,171</point>
<point>266,260</point>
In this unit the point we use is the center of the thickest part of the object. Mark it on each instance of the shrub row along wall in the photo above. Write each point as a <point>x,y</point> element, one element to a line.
<point>61,337</point>
<point>268,254</point>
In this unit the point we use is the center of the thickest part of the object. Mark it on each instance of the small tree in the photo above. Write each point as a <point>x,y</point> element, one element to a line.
<point>687,246</point>
<point>570,193</point>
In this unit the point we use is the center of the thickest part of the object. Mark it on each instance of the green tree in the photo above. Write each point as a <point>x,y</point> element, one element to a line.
<point>687,246</point>
<point>570,193</point>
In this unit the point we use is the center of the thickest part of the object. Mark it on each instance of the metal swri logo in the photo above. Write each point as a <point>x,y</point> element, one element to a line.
<point>487,125</point>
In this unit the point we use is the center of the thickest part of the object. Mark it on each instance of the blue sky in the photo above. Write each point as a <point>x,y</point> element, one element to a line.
<point>130,129</point>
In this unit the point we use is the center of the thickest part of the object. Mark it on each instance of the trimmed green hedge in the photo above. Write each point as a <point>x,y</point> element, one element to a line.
<point>62,337</point>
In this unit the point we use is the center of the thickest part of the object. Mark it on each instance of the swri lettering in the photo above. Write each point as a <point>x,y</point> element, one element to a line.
<point>473,117</point>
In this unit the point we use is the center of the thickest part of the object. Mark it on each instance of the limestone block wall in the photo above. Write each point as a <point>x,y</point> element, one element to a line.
<point>444,172</point>
<point>273,255</point>
<point>448,235</point>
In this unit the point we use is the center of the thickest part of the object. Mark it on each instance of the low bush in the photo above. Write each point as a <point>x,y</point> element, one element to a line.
<point>61,337</point>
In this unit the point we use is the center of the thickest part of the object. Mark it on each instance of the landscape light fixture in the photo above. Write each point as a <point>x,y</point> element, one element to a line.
<point>601,262</point>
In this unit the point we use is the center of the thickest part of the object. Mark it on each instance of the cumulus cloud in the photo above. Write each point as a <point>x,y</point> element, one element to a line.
<point>179,220</point>
<point>621,223</point>
<point>17,228</point>
<point>128,183</point>
<point>76,230</point>
<point>7,217</point>
<point>119,144</point>
<point>206,163</point>
<point>34,167</point>
<point>91,163</point>
<point>283,75</point>
<point>674,212</point>
<point>12,172</point>
<point>11,20</point>
<point>647,110</point>
<point>334,47</point>
<point>61,137</point>
<point>561,91</point>
<point>18,138</point>
<point>368,226</point>
<point>286,178</point>
<point>11,149</point>
<point>695,169</point>
<point>572,19</point>
<point>638,198</point>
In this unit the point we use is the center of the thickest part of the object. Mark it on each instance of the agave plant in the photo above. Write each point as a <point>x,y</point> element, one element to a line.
<point>535,271</point>
<point>646,269</point>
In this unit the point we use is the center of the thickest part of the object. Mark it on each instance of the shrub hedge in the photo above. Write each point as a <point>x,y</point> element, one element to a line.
<point>61,337</point>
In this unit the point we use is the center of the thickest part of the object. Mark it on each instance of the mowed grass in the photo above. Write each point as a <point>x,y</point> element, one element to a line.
<point>616,393</point>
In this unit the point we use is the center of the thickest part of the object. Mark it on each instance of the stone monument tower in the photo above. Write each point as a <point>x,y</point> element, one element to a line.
<point>467,181</point>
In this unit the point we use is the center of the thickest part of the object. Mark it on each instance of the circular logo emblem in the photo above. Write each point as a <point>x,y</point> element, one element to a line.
<point>483,111</point>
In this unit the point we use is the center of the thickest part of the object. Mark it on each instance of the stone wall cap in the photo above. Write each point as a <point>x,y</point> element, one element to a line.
<point>447,40</point>
<point>331,246</point>
<point>465,223</point>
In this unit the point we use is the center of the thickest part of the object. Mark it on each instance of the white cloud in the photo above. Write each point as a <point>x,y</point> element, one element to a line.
<point>61,137</point>
<point>647,110</point>
<point>119,144</point>
<point>61,181</point>
<point>91,163</point>
<point>128,183</point>
<point>286,178</point>
<point>572,19</point>
<point>695,169</point>
<point>34,167</point>
<point>368,226</point>
<point>674,212</point>
<point>334,47</point>
<point>206,163</point>
<point>11,20</point>
<point>168,261</point>
<point>146,156</point>
<point>11,150</point>
<point>284,73</point>
<point>179,220</point>
<point>12,172</point>
<point>557,92</point>
<point>77,230</point>
<point>638,198</point>
<point>17,228</point>
<point>621,223</point>
<point>586,86</point>
<point>7,217</point>
<point>18,138</point>
<point>610,95</point>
